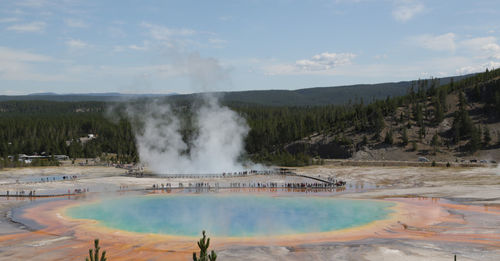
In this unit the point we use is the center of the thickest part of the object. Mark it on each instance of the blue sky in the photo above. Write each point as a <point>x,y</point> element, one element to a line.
<point>73,46</point>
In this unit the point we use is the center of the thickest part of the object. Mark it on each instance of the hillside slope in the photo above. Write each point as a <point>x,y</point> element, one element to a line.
<point>459,121</point>
<point>320,96</point>
<point>317,96</point>
<point>456,120</point>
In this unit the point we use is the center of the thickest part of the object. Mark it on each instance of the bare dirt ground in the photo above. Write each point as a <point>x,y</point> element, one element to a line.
<point>477,233</point>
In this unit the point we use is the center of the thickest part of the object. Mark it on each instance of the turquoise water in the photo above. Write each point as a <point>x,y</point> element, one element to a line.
<point>235,215</point>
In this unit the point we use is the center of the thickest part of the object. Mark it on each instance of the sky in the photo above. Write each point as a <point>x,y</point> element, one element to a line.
<point>95,46</point>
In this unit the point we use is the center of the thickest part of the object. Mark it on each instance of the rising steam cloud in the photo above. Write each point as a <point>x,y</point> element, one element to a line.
<point>217,143</point>
<point>216,148</point>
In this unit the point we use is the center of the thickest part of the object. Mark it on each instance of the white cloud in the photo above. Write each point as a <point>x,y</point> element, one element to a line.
<point>121,48</point>
<point>143,47</point>
<point>9,20</point>
<point>225,18</point>
<point>493,49</point>
<point>181,39</point>
<point>482,47</point>
<point>348,1</point>
<point>201,72</point>
<point>32,3</point>
<point>165,33</point>
<point>443,42</point>
<point>471,55</point>
<point>486,47</point>
<point>9,54</point>
<point>478,68</point>
<point>116,32</point>
<point>75,23</point>
<point>18,65</point>
<point>467,70</point>
<point>136,47</point>
<point>217,41</point>
<point>76,44</point>
<point>160,70</point>
<point>320,63</point>
<point>405,10</point>
<point>478,42</point>
<point>325,61</point>
<point>491,65</point>
<point>385,70</point>
<point>11,92</point>
<point>37,27</point>
<point>478,47</point>
<point>380,56</point>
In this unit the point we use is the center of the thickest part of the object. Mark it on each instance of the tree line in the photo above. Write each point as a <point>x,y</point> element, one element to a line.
<point>56,127</point>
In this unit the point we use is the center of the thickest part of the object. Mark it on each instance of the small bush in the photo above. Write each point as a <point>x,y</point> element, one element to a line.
<point>203,244</point>
<point>94,253</point>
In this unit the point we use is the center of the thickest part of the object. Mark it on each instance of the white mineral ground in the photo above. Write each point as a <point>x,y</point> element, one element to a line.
<point>476,186</point>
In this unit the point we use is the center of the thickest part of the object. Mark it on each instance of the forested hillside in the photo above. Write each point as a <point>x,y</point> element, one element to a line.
<point>36,128</point>
<point>321,96</point>
<point>318,96</point>
<point>455,119</point>
<point>451,122</point>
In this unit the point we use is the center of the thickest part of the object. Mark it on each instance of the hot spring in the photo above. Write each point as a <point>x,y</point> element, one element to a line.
<point>231,215</point>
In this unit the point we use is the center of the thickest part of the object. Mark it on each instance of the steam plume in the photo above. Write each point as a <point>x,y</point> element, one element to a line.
<point>215,140</point>
<point>215,148</point>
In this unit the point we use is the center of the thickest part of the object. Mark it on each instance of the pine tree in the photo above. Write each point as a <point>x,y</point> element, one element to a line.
<point>486,136</point>
<point>477,92</point>
<point>203,244</point>
<point>414,145</point>
<point>365,140</point>
<point>497,102</point>
<point>417,114</point>
<point>438,112</point>
<point>421,132</point>
<point>475,140</point>
<point>435,142</point>
<point>379,121</point>
<point>388,137</point>
<point>94,253</point>
<point>442,99</point>
<point>462,124</point>
<point>404,137</point>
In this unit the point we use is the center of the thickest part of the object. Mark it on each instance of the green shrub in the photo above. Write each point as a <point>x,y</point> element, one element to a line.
<point>94,253</point>
<point>203,244</point>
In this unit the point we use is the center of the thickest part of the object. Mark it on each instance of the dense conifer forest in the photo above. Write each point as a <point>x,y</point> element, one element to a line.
<point>52,128</point>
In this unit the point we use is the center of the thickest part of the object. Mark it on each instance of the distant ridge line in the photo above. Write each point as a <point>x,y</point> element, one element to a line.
<point>314,96</point>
